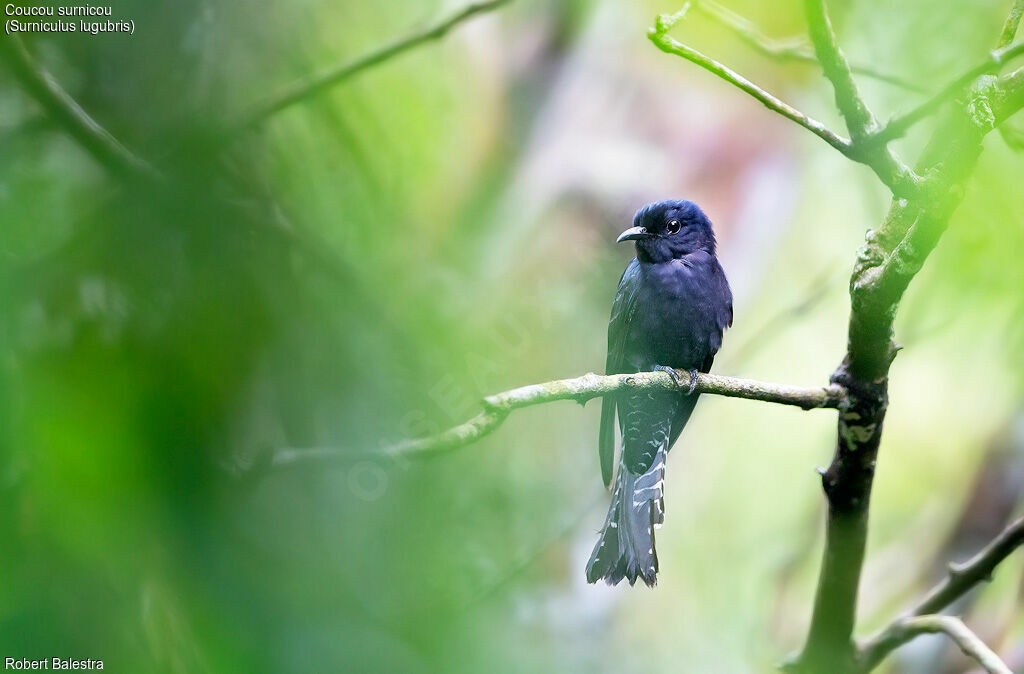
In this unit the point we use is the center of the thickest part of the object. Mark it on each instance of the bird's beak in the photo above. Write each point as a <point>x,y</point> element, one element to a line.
<point>632,234</point>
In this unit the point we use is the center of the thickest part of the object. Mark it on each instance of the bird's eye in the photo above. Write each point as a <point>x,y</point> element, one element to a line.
<point>673,227</point>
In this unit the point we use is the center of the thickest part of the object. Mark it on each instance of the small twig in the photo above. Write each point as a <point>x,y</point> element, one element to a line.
<point>659,36</point>
<point>859,120</point>
<point>313,85</point>
<point>794,48</point>
<point>962,636</point>
<point>898,126</point>
<point>89,133</point>
<point>453,438</point>
<point>1011,25</point>
<point>962,579</point>
<point>978,569</point>
<point>789,49</point>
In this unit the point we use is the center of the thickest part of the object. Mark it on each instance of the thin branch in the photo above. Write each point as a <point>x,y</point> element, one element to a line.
<point>89,133</point>
<point>859,120</point>
<point>962,636</point>
<point>978,569</point>
<point>1011,25</point>
<point>1010,91</point>
<point>114,155</point>
<point>580,389</point>
<point>659,36</point>
<point>962,579</point>
<point>899,178</point>
<point>790,49</point>
<point>794,48</point>
<point>457,436</point>
<point>316,84</point>
<point>898,126</point>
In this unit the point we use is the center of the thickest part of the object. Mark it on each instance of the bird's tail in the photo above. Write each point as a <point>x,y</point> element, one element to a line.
<point>626,546</point>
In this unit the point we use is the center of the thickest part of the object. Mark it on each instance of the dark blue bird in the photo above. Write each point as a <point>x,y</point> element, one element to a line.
<point>669,313</point>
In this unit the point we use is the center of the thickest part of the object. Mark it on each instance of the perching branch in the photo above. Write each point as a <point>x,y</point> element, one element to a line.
<point>792,49</point>
<point>581,389</point>
<point>659,36</point>
<point>955,629</point>
<point>89,133</point>
<point>497,407</point>
<point>962,579</point>
<point>313,85</point>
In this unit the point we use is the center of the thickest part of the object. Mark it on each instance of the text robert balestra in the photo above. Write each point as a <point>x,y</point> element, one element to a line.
<point>52,663</point>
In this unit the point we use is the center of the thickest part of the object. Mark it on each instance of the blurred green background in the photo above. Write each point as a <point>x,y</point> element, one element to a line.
<point>366,265</point>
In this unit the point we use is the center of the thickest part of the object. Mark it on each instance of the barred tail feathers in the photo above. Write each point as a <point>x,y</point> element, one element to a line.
<point>625,548</point>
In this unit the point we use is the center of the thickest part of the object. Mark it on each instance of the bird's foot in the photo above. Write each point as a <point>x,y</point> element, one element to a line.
<point>693,381</point>
<point>670,371</point>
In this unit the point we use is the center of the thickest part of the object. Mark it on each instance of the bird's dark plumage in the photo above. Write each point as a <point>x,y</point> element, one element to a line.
<point>672,306</point>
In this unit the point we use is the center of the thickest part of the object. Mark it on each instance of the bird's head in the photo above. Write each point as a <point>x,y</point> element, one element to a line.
<point>667,230</point>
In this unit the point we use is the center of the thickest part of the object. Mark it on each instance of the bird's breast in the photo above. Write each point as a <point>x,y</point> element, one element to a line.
<point>675,321</point>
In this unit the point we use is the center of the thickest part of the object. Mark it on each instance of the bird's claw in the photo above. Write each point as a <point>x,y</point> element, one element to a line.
<point>675,377</point>
<point>670,371</point>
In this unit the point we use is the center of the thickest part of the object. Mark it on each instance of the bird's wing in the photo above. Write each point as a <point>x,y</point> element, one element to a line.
<point>623,309</point>
<point>722,320</point>
<point>723,313</point>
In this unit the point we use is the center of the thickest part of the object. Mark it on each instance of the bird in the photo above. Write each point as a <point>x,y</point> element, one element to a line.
<point>671,309</point>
